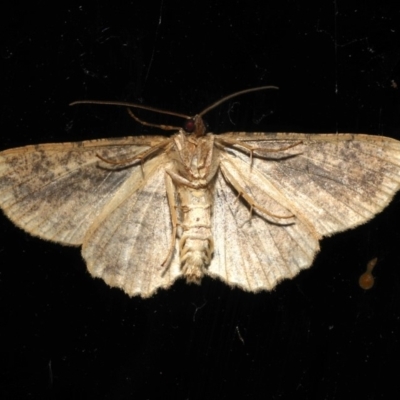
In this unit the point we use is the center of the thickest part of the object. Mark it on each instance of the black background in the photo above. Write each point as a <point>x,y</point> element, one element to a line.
<point>318,336</point>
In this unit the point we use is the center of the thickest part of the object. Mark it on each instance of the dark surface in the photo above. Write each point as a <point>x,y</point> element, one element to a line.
<point>64,335</point>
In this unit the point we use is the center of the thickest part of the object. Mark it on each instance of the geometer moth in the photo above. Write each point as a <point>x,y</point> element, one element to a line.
<point>248,208</point>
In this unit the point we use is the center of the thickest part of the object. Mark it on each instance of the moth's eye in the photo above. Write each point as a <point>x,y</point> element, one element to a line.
<point>189,126</point>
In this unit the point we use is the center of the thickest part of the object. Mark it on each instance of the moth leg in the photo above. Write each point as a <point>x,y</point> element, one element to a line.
<point>140,157</point>
<point>180,180</point>
<point>164,127</point>
<point>174,219</point>
<point>249,200</point>
<point>154,149</point>
<point>251,149</point>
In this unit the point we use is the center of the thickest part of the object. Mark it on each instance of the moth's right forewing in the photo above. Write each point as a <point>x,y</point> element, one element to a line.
<point>56,191</point>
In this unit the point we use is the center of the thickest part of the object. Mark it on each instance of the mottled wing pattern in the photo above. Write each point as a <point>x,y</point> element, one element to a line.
<point>329,182</point>
<point>336,181</point>
<point>130,239</point>
<point>56,191</point>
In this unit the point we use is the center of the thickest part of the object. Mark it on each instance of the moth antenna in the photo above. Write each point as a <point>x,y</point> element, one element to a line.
<point>226,98</point>
<point>160,111</point>
<point>129,105</point>
<point>137,119</point>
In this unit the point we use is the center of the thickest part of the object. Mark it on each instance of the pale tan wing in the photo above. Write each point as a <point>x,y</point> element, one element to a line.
<point>56,191</point>
<point>256,252</point>
<point>130,239</point>
<point>335,181</point>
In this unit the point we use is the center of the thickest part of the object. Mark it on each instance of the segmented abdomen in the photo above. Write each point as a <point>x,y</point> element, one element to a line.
<point>196,243</point>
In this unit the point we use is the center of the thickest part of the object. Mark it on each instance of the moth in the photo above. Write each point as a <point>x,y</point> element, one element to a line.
<point>247,208</point>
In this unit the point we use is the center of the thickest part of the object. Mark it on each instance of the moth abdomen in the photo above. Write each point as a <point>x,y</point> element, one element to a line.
<point>196,244</point>
<point>195,257</point>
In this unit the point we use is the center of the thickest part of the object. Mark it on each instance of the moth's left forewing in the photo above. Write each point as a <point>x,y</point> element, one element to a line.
<point>337,181</point>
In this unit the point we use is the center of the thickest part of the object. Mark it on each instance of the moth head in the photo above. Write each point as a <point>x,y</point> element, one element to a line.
<point>195,125</point>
